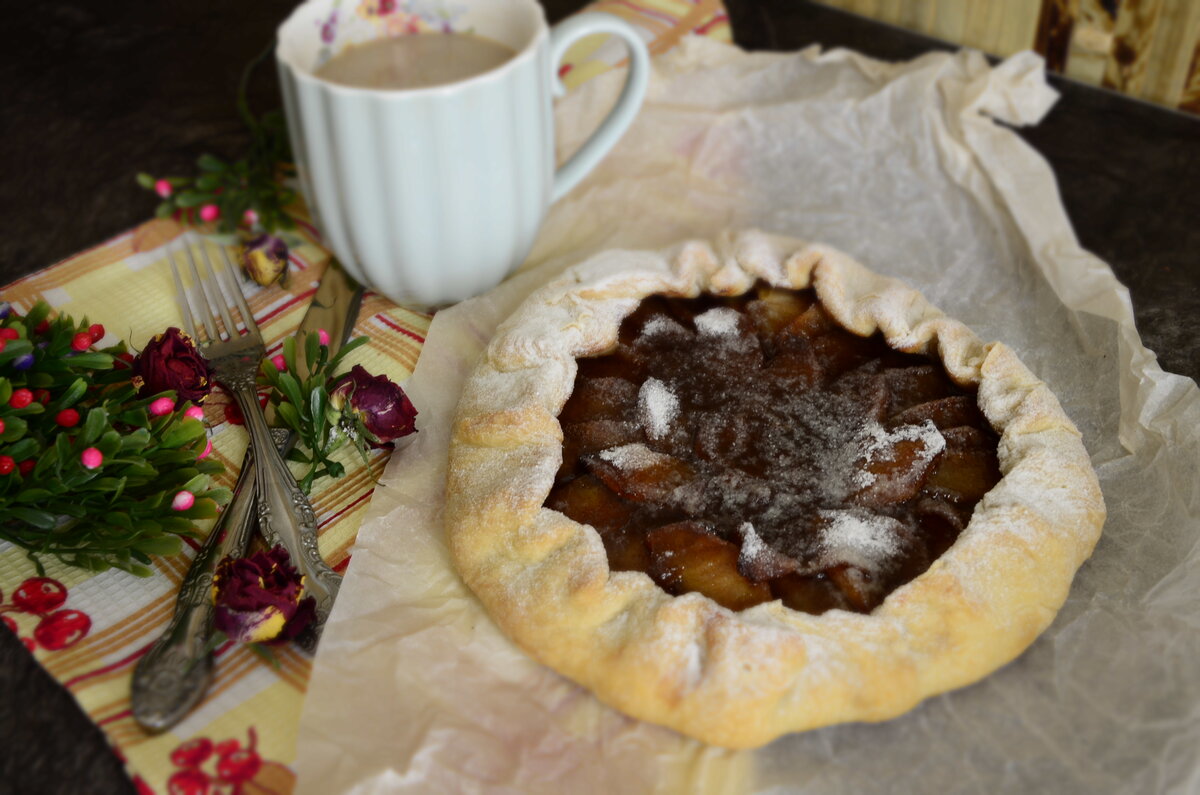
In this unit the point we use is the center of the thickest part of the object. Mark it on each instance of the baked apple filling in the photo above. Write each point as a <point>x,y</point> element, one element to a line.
<point>751,449</point>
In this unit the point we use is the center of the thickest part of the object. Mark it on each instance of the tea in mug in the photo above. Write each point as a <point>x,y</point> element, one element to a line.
<point>414,61</point>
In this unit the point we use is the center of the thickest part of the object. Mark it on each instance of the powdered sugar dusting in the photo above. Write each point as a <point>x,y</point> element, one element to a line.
<point>632,457</point>
<point>657,408</point>
<point>877,440</point>
<point>662,326</point>
<point>753,547</point>
<point>859,538</point>
<point>718,322</point>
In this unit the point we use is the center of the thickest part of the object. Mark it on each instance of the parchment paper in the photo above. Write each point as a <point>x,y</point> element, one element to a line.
<point>902,166</point>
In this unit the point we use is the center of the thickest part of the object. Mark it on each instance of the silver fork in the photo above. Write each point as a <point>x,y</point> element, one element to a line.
<point>285,516</point>
<point>174,673</point>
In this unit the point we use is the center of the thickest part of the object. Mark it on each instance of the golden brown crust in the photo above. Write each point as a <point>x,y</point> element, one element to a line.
<point>742,679</point>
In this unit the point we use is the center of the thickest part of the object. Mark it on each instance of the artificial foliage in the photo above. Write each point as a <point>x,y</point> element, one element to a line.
<point>248,194</point>
<point>303,405</point>
<point>109,476</point>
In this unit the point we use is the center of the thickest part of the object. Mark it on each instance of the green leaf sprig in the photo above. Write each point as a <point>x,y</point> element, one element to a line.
<point>119,511</point>
<point>247,193</point>
<point>303,404</point>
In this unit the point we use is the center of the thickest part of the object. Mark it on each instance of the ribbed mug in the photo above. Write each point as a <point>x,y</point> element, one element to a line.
<point>433,195</point>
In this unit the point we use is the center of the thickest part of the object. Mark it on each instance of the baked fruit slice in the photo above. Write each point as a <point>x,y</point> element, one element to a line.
<point>752,488</point>
<point>759,440</point>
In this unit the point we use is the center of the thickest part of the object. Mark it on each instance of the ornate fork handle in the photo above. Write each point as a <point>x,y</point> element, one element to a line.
<point>285,515</point>
<point>170,678</point>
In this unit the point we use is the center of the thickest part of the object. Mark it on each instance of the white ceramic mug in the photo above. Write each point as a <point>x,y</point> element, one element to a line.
<point>433,195</point>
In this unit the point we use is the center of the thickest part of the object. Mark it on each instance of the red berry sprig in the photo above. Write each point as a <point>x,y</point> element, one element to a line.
<point>75,410</point>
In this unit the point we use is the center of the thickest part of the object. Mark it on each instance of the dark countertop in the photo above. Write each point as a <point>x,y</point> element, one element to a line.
<point>97,92</point>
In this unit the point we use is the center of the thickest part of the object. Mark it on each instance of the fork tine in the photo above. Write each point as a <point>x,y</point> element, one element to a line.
<point>189,325</point>
<point>232,280</point>
<point>222,302</point>
<point>204,301</point>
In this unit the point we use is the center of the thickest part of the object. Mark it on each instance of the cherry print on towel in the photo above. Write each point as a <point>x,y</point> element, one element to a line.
<point>226,768</point>
<point>56,629</point>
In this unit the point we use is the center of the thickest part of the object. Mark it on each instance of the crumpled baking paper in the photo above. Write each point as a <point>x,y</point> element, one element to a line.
<point>902,166</point>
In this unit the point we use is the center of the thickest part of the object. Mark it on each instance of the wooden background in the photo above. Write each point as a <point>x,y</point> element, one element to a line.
<point>1148,49</point>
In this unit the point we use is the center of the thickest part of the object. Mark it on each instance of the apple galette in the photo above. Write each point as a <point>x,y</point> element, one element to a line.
<point>752,488</point>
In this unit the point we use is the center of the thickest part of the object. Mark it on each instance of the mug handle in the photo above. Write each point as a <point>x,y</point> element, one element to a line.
<point>622,115</point>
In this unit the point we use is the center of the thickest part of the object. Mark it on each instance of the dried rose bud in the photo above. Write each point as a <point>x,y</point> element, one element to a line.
<point>260,598</point>
<point>265,258</point>
<point>170,361</point>
<point>384,409</point>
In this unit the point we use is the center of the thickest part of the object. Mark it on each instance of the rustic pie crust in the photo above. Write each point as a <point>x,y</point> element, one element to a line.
<point>741,679</point>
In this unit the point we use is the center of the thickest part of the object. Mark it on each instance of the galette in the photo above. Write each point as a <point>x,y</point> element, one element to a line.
<point>749,487</point>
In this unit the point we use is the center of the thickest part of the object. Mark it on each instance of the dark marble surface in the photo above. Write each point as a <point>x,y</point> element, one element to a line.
<point>94,93</point>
